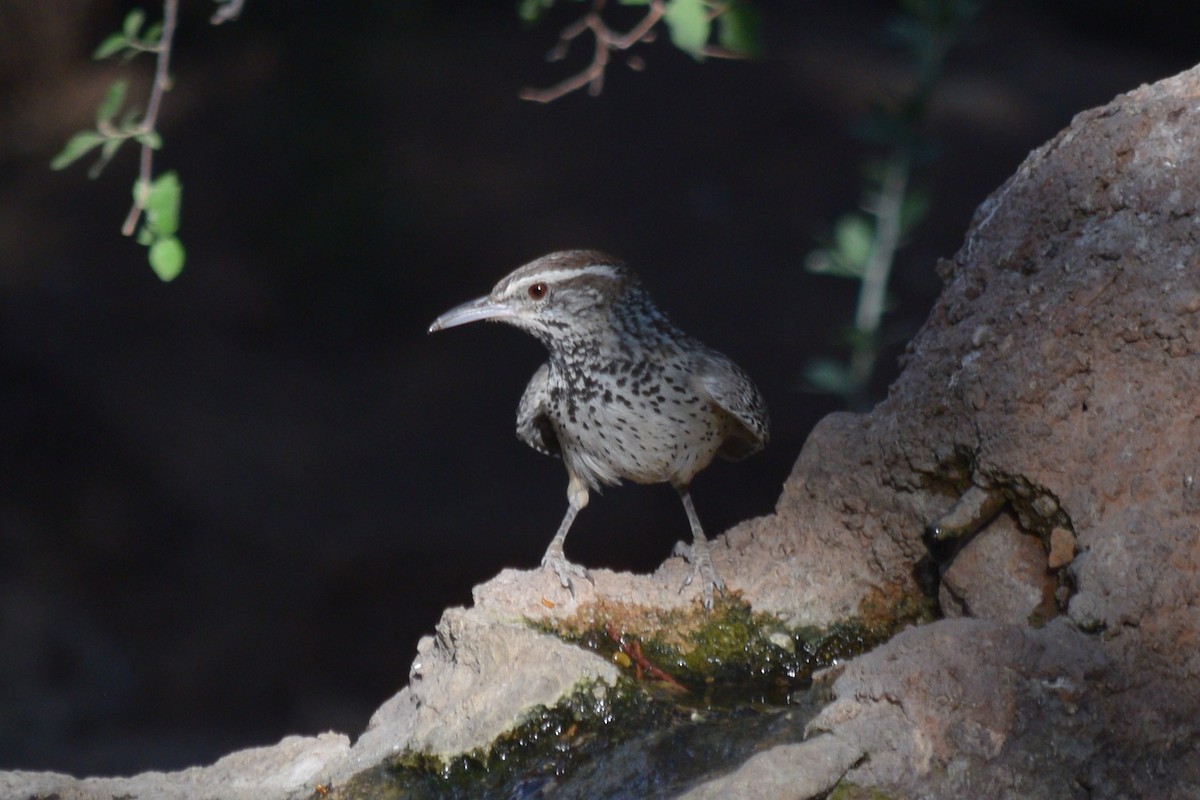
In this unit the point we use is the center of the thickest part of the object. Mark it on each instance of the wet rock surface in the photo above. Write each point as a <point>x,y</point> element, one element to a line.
<point>1059,368</point>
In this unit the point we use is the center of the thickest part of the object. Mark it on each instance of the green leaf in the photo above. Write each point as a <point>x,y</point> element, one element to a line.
<point>166,258</point>
<point>913,210</point>
<point>847,255</point>
<point>153,34</point>
<point>76,148</point>
<point>689,25</point>
<point>532,10</point>
<point>827,375</point>
<point>112,45</point>
<point>162,205</point>
<point>823,261</point>
<point>634,2</point>
<point>857,340</point>
<point>130,120</point>
<point>106,154</point>
<point>141,188</point>
<point>112,102</point>
<point>827,262</point>
<point>739,29</point>
<point>150,139</point>
<point>133,23</point>
<point>853,238</point>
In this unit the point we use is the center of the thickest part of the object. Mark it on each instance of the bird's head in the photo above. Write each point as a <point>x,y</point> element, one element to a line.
<point>554,297</point>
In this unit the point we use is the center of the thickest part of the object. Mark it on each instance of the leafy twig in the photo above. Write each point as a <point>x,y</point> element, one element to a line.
<point>863,246</point>
<point>162,82</point>
<point>689,22</point>
<point>155,200</point>
<point>887,207</point>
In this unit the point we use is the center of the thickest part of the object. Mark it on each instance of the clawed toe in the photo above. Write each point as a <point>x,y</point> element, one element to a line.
<point>565,571</point>
<point>701,565</point>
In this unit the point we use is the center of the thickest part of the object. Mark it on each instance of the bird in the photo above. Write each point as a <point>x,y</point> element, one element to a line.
<point>624,395</point>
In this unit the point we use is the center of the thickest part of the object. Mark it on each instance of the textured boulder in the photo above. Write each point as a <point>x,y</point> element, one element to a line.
<point>1057,373</point>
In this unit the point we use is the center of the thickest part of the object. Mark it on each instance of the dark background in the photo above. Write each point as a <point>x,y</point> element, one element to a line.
<point>230,505</point>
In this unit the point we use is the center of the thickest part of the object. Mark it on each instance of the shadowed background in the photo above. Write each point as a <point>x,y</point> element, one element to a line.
<point>230,505</point>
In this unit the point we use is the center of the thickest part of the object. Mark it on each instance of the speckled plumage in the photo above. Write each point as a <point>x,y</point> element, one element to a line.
<point>625,394</point>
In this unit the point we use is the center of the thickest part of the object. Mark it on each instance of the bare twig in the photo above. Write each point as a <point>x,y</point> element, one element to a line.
<point>162,82</point>
<point>633,649</point>
<point>607,40</point>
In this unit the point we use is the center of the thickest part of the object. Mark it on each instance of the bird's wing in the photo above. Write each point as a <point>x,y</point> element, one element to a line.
<point>724,383</point>
<point>533,424</point>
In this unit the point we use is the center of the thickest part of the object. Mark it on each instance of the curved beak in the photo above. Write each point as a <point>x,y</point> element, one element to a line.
<point>483,308</point>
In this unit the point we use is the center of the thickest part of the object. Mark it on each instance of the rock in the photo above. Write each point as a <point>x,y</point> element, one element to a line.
<point>1000,574</point>
<point>1059,366</point>
<point>279,771</point>
<point>939,712</point>
<point>473,680</point>
<point>798,771</point>
<point>1062,548</point>
<point>942,710</point>
<point>974,509</point>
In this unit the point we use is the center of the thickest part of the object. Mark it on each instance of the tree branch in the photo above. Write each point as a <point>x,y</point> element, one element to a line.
<point>606,40</point>
<point>162,82</point>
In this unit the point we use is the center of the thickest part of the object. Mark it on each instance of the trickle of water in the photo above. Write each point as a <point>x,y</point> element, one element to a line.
<point>653,745</point>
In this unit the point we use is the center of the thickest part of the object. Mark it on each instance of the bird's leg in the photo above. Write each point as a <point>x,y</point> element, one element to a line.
<point>698,554</point>
<point>555,558</point>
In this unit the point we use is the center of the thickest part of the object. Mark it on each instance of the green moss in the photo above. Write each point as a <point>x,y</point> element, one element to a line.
<point>714,688</point>
<point>733,653</point>
<point>551,743</point>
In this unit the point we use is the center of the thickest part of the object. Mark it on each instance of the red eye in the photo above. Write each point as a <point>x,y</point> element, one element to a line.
<point>538,290</point>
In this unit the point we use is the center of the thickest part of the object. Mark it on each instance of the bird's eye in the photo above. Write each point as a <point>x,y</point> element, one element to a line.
<point>538,290</point>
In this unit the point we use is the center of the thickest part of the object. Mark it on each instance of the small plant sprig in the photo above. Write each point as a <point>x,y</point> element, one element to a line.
<point>690,24</point>
<point>156,200</point>
<point>863,244</point>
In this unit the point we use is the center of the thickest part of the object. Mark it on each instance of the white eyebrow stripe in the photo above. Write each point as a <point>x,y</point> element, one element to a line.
<point>556,275</point>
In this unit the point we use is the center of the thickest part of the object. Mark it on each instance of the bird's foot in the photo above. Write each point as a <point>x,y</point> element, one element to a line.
<point>702,565</point>
<point>557,561</point>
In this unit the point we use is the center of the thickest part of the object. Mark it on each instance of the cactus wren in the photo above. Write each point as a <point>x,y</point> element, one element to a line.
<point>625,393</point>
